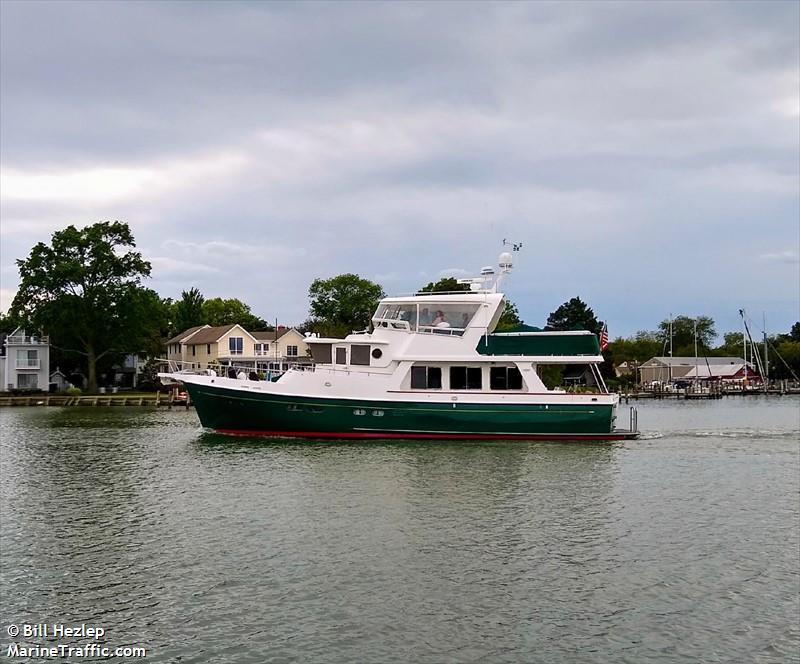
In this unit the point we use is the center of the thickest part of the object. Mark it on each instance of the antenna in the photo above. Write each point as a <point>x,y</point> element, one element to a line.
<point>506,262</point>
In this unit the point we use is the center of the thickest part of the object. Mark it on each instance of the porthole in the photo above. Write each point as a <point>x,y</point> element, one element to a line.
<point>377,353</point>
<point>377,413</point>
<point>359,411</point>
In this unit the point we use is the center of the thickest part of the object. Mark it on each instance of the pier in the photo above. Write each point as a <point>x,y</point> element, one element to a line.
<point>155,400</point>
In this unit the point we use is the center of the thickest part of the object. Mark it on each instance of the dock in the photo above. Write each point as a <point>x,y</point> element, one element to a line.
<point>155,400</point>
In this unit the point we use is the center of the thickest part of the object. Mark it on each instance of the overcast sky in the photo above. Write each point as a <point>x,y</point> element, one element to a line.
<point>646,154</point>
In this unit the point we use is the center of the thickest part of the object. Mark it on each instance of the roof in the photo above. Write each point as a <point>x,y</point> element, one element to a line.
<point>186,333</point>
<point>690,361</point>
<point>702,371</point>
<point>269,335</point>
<point>210,335</point>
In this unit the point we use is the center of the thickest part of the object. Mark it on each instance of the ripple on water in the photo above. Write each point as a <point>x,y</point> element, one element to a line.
<point>679,547</point>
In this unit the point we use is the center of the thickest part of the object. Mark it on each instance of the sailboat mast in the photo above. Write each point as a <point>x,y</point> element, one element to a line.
<point>766,357</point>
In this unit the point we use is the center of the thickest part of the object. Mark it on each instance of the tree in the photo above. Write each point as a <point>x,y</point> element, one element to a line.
<point>188,311</point>
<point>571,315</point>
<point>638,348</point>
<point>346,301</point>
<point>218,311</point>
<point>84,289</point>
<point>509,318</point>
<point>8,323</point>
<point>794,333</point>
<point>683,328</point>
<point>445,284</point>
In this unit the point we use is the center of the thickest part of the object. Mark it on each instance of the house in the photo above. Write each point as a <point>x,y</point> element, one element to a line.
<point>667,369</point>
<point>127,373</point>
<point>232,345</point>
<point>59,381</point>
<point>176,351</point>
<point>283,343</point>
<point>199,347</point>
<point>26,365</point>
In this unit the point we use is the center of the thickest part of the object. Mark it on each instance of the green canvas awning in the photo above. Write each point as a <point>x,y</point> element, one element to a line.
<point>539,344</point>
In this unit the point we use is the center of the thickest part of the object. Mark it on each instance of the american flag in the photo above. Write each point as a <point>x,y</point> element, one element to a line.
<point>603,338</point>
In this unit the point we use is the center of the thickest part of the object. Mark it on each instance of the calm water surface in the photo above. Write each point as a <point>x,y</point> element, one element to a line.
<point>680,547</point>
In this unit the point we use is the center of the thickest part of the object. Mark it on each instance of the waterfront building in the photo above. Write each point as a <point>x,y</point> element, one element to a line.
<point>666,369</point>
<point>25,364</point>
<point>231,345</point>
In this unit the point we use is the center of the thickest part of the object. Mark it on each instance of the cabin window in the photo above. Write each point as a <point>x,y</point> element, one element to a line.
<point>341,355</point>
<point>505,378</point>
<point>291,351</point>
<point>194,350</point>
<point>359,354</point>
<point>465,378</point>
<point>446,318</point>
<point>236,345</point>
<point>426,378</point>
<point>321,353</point>
<point>208,349</point>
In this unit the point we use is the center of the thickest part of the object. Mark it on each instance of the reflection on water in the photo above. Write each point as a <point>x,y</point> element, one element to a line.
<point>679,547</point>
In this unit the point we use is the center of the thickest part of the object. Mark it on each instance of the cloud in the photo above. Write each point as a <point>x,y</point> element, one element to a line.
<point>110,184</point>
<point>780,257</point>
<point>255,146</point>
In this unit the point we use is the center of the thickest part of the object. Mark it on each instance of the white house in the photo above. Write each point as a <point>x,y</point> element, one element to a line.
<point>26,365</point>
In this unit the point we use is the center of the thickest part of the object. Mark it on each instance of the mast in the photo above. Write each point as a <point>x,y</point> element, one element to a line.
<point>766,357</point>
<point>754,351</point>
<point>696,377</point>
<point>744,342</point>
<point>670,347</point>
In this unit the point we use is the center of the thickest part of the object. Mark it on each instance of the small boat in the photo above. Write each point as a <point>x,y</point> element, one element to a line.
<point>432,367</point>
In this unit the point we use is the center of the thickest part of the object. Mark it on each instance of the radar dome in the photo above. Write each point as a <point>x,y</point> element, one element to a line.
<point>506,261</point>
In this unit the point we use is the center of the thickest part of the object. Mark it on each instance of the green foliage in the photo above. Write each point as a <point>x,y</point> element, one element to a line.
<point>639,348</point>
<point>218,311</point>
<point>73,391</point>
<point>8,323</point>
<point>552,375</point>
<point>188,311</point>
<point>732,345</point>
<point>789,366</point>
<point>345,302</point>
<point>683,330</point>
<point>443,285</point>
<point>794,333</point>
<point>85,291</point>
<point>509,318</point>
<point>571,315</point>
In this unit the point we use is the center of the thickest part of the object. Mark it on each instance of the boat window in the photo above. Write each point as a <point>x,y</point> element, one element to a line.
<point>426,378</point>
<point>450,319</point>
<point>505,378</point>
<point>465,378</point>
<point>359,354</point>
<point>377,353</point>
<point>321,353</point>
<point>341,355</point>
<point>404,312</point>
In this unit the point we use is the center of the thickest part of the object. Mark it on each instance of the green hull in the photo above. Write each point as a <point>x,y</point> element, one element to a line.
<point>230,411</point>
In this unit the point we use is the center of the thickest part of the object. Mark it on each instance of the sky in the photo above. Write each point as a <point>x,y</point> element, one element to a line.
<point>646,154</point>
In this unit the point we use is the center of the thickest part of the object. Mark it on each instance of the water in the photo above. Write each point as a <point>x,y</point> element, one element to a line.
<point>683,546</point>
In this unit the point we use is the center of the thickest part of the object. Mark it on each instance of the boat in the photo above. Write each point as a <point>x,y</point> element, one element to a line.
<point>431,366</point>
